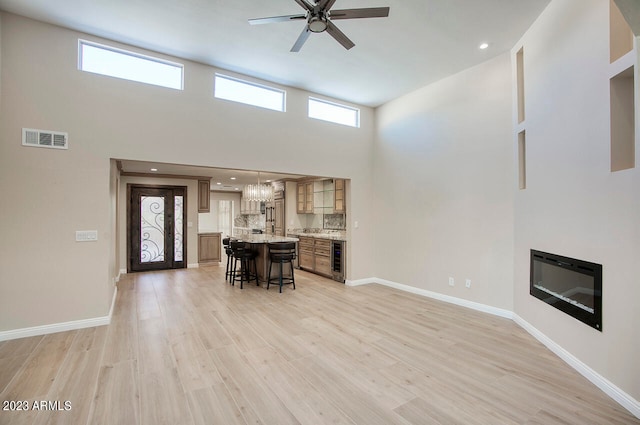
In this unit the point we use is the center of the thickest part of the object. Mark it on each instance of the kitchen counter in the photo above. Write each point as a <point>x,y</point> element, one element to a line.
<point>262,238</point>
<point>332,236</point>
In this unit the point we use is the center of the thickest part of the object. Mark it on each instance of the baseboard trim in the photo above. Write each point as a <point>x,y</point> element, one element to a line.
<point>193,266</point>
<point>61,327</point>
<point>446,298</point>
<point>359,282</point>
<point>621,397</point>
<point>617,394</point>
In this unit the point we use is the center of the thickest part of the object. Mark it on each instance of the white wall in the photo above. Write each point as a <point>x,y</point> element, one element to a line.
<point>49,278</point>
<point>573,205</point>
<point>443,177</point>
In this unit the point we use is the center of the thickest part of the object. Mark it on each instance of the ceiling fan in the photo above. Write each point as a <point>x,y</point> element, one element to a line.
<point>319,17</point>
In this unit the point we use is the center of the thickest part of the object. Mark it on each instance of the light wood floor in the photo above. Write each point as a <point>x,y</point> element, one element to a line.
<point>184,347</point>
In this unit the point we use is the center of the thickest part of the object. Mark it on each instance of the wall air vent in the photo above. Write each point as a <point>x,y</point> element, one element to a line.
<point>45,139</point>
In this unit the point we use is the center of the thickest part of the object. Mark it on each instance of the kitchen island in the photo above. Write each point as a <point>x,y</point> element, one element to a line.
<point>259,244</point>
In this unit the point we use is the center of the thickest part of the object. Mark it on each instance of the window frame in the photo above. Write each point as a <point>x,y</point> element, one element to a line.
<point>334,104</point>
<point>250,84</point>
<point>82,42</point>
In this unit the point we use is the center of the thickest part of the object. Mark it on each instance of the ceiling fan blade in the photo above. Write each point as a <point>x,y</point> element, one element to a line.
<point>339,36</point>
<point>285,18</point>
<point>367,12</point>
<point>326,4</point>
<point>305,5</point>
<point>301,39</point>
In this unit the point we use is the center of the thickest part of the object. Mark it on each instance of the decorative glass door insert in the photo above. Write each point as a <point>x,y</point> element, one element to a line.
<point>152,225</point>
<point>157,227</point>
<point>178,222</point>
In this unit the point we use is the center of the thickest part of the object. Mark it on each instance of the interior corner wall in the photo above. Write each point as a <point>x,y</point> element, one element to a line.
<point>114,191</point>
<point>573,204</point>
<point>443,164</point>
<point>47,277</point>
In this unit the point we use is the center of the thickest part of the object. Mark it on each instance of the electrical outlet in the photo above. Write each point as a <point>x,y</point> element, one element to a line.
<point>451,281</point>
<point>467,283</point>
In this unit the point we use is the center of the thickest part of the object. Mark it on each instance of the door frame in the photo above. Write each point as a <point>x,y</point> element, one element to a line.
<point>130,187</point>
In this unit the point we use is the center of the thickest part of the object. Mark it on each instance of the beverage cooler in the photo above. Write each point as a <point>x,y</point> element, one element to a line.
<point>338,260</point>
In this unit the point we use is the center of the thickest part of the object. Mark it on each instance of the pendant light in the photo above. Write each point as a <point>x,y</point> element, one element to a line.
<point>258,192</point>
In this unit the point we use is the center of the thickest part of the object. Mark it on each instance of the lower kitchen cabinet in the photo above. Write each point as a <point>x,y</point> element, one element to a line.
<point>315,255</point>
<point>209,247</point>
<point>305,245</point>
<point>322,253</point>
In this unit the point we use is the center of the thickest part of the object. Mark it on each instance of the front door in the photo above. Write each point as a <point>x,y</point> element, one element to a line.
<point>156,231</point>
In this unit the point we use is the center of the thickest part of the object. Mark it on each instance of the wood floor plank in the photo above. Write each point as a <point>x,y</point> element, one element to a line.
<point>307,403</point>
<point>346,396</point>
<point>162,399</point>
<point>214,405</point>
<point>186,347</point>
<point>247,387</point>
<point>117,397</point>
<point>9,368</point>
<point>40,369</point>
<point>74,385</point>
<point>19,347</point>
<point>194,366</point>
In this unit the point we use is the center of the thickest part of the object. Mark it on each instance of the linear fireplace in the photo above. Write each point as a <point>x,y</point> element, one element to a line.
<point>570,285</point>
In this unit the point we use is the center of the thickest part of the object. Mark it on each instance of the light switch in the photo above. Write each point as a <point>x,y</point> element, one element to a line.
<point>86,235</point>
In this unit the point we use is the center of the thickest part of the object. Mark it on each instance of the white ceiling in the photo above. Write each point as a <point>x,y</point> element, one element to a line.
<point>420,42</point>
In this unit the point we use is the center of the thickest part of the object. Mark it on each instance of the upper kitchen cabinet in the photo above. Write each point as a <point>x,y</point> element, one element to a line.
<point>204,199</point>
<point>304,200</point>
<point>321,197</point>
<point>249,207</point>
<point>339,204</point>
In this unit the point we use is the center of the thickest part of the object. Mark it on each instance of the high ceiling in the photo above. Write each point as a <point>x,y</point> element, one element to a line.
<point>420,42</point>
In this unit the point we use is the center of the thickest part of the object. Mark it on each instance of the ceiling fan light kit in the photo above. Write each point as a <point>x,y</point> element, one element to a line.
<point>317,24</point>
<point>319,16</point>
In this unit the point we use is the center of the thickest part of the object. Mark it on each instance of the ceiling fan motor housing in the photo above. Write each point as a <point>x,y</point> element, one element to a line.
<point>318,23</point>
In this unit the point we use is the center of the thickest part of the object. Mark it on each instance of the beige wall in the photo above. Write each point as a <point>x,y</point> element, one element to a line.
<point>208,222</point>
<point>443,176</point>
<point>573,205</point>
<point>49,278</point>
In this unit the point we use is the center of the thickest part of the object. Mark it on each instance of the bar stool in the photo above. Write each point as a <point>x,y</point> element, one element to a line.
<point>229,252</point>
<point>281,252</point>
<point>242,252</point>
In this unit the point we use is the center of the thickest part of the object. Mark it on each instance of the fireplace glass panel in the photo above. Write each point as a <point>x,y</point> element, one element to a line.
<point>570,285</point>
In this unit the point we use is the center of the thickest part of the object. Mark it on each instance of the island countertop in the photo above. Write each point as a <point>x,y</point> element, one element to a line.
<point>258,238</point>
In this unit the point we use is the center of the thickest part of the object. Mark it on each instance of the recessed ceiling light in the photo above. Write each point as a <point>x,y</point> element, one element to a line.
<point>154,169</point>
<point>233,178</point>
<point>236,188</point>
<point>267,181</point>
<point>218,183</point>
<point>484,46</point>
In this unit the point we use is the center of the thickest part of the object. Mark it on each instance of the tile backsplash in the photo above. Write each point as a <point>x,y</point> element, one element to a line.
<point>252,221</point>
<point>334,221</point>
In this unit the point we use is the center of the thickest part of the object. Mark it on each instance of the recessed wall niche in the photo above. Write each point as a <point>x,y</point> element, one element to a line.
<point>621,92</point>
<point>520,83</point>
<point>522,160</point>
<point>620,34</point>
